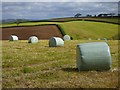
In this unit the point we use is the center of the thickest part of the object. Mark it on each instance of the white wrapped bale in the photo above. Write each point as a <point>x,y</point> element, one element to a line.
<point>93,56</point>
<point>66,38</point>
<point>13,38</point>
<point>55,41</point>
<point>98,39</point>
<point>104,38</point>
<point>33,39</point>
<point>89,39</point>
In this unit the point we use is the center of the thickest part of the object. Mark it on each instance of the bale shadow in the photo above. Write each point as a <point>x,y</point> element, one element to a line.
<point>70,69</point>
<point>76,70</point>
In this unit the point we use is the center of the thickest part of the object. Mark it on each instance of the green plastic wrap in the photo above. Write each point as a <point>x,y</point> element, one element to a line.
<point>66,38</point>
<point>55,41</point>
<point>93,56</point>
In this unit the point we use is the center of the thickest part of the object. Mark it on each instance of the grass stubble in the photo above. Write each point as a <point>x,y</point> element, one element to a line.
<point>37,65</point>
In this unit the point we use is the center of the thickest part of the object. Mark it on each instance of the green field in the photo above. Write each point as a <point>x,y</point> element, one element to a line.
<point>107,19</point>
<point>37,65</point>
<point>88,29</point>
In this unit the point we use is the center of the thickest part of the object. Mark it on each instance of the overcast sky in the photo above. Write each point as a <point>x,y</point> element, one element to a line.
<point>46,10</point>
<point>60,0</point>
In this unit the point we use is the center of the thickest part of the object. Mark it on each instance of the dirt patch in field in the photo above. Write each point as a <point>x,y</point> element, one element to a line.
<point>23,33</point>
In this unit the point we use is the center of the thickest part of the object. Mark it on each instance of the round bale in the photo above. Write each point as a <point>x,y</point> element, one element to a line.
<point>33,39</point>
<point>13,38</point>
<point>104,38</point>
<point>55,41</point>
<point>89,39</point>
<point>93,56</point>
<point>98,39</point>
<point>66,38</point>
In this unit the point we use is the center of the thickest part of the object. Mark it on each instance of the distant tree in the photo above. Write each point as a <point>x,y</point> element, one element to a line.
<point>95,16</point>
<point>103,15</point>
<point>112,14</point>
<point>18,21</point>
<point>77,15</point>
<point>106,15</point>
<point>100,15</point>
<point>88,15</point>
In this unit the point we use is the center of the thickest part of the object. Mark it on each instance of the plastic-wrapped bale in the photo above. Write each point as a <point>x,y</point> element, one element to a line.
<point>13,38</point>
<point>66,38</point>
<point>98,39</point>
<point>104,38</point>
<point>93,56</point>
<point>55,41</point>
<point>33,39</point>
<point>89,39</point>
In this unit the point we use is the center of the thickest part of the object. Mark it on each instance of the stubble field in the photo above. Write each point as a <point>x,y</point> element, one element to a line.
<point>37,65</point>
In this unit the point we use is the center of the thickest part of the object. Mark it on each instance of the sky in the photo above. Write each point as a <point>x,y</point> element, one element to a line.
<point>47,10</point>
<point>60,0</point>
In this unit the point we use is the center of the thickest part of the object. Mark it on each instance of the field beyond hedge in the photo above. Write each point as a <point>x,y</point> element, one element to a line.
<point>37,65</point>
<point>87,29</point>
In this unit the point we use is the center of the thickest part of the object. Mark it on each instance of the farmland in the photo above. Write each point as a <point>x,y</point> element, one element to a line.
<point>40,66</point>
<point>106,19</point>
<point>26,65</point>
<point>86,29</point>
<point>57,20</point>
<point>42,32</point>
<point>81,29</point>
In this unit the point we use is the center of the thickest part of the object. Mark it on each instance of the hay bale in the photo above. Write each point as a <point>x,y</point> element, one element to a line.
<point>93,56</point>
<point>13,38</point>
<point>104,38</point>
<point>33,39</point>
<point>66,38</point>
<point>89,39</point>
<point>98,39</point>
<point>55,41</point>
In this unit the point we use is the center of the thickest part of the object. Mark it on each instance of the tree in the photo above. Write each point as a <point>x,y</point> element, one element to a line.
<point>18,21</point>
<point>77,15</point>
<point>95,16</point>
<point>100,15</point>
<point>112,14</point>
<point>88,15</point>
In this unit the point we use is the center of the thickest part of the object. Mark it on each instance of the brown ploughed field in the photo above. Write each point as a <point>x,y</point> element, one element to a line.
<point>23,33</point>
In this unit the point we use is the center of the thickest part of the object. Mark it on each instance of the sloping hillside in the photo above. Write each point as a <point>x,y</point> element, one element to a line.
<point>80,29</point>
<point>87,29</point>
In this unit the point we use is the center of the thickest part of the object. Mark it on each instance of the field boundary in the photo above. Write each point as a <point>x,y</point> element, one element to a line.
<point>62,20</point>
<point>79,19</point>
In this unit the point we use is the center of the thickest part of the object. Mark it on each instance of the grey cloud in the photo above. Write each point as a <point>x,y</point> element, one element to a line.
<point>41,10</point>
<point>59,0</point>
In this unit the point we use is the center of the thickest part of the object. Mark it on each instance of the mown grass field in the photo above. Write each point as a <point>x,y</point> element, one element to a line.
<point>88,29</point>
<point>37,65</point>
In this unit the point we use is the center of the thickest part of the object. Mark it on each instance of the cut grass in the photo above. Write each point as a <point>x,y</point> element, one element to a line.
<point>87,29</point>
<point>40,66</point>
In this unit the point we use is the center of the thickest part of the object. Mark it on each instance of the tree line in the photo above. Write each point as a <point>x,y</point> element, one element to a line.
<point>99,15</point>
